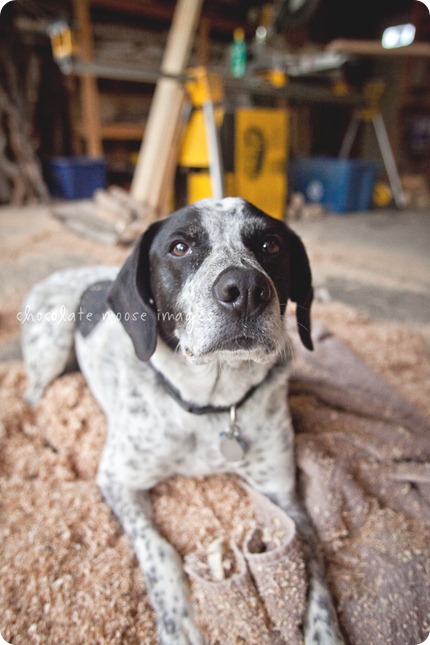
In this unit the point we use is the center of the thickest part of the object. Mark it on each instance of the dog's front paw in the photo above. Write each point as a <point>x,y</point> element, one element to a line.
<point>169,595</point>
<point>186,633</point>
<point>321,625</point>
<point>322,633</point>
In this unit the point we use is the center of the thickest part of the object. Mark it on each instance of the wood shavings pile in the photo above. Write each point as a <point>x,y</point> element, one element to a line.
<point>69,574</point>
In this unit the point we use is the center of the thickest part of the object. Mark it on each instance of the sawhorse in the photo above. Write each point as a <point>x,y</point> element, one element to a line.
<point>372,114</point>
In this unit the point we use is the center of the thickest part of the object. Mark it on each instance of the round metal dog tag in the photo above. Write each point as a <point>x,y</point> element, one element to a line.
<point>232,448</point>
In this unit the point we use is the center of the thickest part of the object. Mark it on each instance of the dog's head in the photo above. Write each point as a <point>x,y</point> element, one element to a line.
<point>213,280</point>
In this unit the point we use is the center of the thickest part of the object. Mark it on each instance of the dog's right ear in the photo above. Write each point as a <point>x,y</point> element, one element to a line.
<point>130,297</point>
<point>301,288</point>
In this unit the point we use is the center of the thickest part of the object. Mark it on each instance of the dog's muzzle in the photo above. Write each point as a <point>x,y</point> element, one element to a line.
<point>242,293</point>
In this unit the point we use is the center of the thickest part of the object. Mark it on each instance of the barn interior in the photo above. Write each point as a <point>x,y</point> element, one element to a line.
<point>114,114</point>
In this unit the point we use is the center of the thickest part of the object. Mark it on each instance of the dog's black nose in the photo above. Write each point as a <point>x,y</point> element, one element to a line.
<point>245,292</point>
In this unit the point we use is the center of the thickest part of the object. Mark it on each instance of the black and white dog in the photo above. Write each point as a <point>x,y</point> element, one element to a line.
<point>186,351</point>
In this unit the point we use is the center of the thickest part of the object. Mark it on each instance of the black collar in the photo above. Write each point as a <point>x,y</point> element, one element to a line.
<point>206,409</point>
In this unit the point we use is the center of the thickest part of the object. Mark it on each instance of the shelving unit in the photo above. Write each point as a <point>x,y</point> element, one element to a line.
<point>98,129</point>
<point>414,115</point>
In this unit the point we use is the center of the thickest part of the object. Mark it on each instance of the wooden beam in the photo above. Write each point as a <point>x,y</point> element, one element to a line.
<point>374,48</point>
<point>164,120</point>
<point>89,90</point>
<point>203,42</point>
<point>117,131</point>
<point>162,12</point>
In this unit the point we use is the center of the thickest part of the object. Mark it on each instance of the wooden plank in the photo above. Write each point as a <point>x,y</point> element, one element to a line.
<point>203,42</point>
<point>123,131</point>
<point>89,90</point>
<point>165,114</point>
<point>163,186</point>
<point>181,36</point>
<point>374,48</point>
<point>172,95</point>
<point>117,131</point>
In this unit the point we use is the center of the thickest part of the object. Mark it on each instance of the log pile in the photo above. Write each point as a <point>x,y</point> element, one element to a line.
<point>21,179</point>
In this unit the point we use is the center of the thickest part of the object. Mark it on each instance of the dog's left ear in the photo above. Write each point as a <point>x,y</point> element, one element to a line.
<point>130,297</point>
<point>301,290</point>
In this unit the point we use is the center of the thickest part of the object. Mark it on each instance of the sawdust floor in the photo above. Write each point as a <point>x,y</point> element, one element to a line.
<point>391,337</point>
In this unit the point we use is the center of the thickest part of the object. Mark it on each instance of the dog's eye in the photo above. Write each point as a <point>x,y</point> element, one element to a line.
<point>271,245</point>
<point>179,249</point>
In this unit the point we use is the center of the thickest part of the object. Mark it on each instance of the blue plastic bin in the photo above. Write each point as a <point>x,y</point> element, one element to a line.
<point>341,185</point>
<point>75,177</point>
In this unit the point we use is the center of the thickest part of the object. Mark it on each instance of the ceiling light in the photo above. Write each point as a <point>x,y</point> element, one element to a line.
<point>398,36</point>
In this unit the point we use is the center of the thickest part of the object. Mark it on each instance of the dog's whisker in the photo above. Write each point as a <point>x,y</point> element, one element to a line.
<point>250,367</point>
<point>299,306</point>
<point>177,347</point>
<point>299,324</point>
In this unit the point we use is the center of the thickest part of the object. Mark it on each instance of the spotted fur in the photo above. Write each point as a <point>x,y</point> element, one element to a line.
<point>202,301</point>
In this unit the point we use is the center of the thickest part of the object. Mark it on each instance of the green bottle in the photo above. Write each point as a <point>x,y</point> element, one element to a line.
<point>238,54</point>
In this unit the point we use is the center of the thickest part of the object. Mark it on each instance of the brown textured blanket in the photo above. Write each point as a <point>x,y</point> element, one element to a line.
<point>68,574</point>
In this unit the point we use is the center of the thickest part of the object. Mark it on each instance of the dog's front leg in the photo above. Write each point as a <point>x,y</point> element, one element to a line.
<point>160,564</point>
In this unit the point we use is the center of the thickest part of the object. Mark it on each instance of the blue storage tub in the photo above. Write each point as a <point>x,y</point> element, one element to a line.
<point>341,185</point>
<point>75,177</point>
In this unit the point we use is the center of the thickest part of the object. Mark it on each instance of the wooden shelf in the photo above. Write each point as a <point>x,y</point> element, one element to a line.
<point>117,131</point>
<point>91,130</point>
<point>374,48</point>
<point>127,131</point>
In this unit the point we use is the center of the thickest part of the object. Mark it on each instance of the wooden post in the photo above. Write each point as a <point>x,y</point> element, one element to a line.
<point>89,91</point>
<point>203,42</point>
<point>155,157</point>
